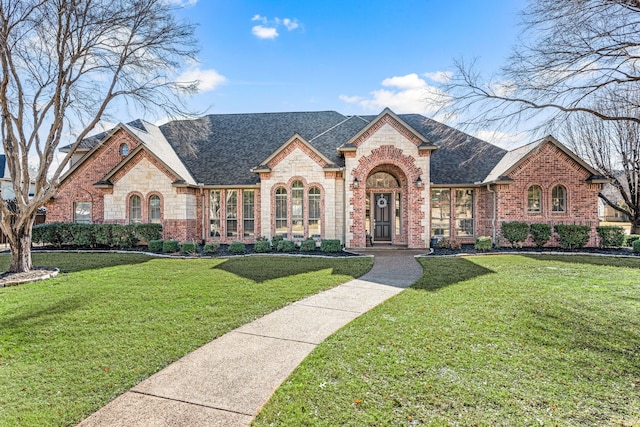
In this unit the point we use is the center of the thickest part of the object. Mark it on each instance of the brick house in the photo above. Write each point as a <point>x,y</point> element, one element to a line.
<point>399,179</point>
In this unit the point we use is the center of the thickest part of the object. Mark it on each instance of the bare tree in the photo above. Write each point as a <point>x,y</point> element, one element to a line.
<point>569,53</point>
<point>62,63</point>
<point>613,147</point>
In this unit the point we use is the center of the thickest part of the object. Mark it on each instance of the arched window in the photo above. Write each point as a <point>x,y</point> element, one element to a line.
<point>297,209</point>
<point>534,199</point>
<point>382,180</point>
<point>154,209</point>
<point>314,212</point>
<point>124,149</point>
<point>559,199</point>
<point>135,209</point>
<point>281,211</point>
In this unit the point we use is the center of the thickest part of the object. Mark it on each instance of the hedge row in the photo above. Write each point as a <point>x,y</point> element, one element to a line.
<point>93,235</point>
<point>569,236</point>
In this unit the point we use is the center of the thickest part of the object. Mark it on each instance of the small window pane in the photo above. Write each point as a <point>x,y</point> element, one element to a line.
<point>82,212</point>
<point>382,180</point>
<point>214,214</point>
<point>440,212</point>
<point>135,210</point>
<point>232,213</point>
<point>534,199</point>
<point>297,210</point>
<point>154,209</point>
<point>281,211</point>
<point>464,213</point>
<point>559,199</point>
<point>248,205</point>
<point>124,149</point>
<point>314,212</point>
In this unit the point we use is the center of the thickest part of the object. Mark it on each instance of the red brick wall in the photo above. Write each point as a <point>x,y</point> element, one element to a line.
<point>547,167</point>
<point>79,187</point>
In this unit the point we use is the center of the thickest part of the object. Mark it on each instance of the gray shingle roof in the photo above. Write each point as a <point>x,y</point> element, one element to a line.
<point>221,149</point>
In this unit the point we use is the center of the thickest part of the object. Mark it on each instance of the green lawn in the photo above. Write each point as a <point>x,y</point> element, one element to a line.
<point>70,344</point>
<point>499,340</point>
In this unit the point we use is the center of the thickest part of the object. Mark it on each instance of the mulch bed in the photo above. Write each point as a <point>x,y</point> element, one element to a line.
<point>470,249</point>
<point>9,278</point>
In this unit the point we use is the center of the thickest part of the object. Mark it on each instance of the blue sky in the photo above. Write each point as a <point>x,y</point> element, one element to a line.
<point>355,57</point>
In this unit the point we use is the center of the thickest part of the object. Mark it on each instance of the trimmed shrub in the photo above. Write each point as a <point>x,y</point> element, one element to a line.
<point>483,243</point>
<point>262,246</point>
<point>572,236</point>
<point>330,246</point>
<point>82,235</point>
<point>104,234</point>
<point>124,236</point>
<point>308,245</point>
<point>55,233</point>
<point>170,246</point>
<point>277,238</point>
<point>449,244</point>
<point>211,247</point>
<point>188,248</point>
<point>540,233</point>
<point>636,246</point>
<point>148,232</point>
<point>630,238</point>
<point>286,246</point>
<point>515,232</point>
<point>155,245</point>
<point>237,248</point>
<point>610,236</point>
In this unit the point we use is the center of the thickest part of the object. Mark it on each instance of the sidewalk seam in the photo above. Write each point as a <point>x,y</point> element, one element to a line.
<point>276,338</point>
<point>191,403</point>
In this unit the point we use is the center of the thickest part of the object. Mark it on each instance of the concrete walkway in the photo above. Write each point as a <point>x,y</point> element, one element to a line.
<point>226,382</point>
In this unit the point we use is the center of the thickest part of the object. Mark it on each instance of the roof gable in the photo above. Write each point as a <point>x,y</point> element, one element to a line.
<point>296,141</point>
<point>514,158</point>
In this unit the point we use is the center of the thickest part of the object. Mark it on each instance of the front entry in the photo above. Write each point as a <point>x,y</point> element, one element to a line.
<point>382,216</point>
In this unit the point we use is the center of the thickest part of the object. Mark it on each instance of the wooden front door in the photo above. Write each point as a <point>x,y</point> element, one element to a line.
<point>382,216</point>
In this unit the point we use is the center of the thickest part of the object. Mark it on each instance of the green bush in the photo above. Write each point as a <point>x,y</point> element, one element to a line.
<point>86,235</point>
<point>483,243</point>
<point>277,238</point>
<point>330,246</point>
<point>104,234</point>
<point>189,248</point>
<point>630,238</point>
<point>82,235</point>
<point>636,246</point>
<point>449,244</point>
<point>237,248</point>
<point>308,245</point>
<point>148,232</point>
<point>286,246</point>
<point>55,233</point>
<point>211,247</point>
<point>610,236</point>
<point>540,233</point>
<point>515,232</point>
<point>124,236</point>
<point>170,246</point>
<point>155,245</point>
<point>262,246</point>
<point>572,236</point>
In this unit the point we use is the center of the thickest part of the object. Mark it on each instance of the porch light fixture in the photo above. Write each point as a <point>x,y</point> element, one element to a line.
<point>356,183</point>
<point>418,182</point>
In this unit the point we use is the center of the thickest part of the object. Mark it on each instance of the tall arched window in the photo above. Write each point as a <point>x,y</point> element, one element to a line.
<point>534,199</point>
<point>297,209</point>
<point>281,211</point>
<point>314,212</point>
<point>154,209</point>
<point>135,209</point>
<point>559,199</point>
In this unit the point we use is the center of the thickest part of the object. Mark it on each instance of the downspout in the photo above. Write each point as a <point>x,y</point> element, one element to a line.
<point>495,209</point>
<point>204,235</point>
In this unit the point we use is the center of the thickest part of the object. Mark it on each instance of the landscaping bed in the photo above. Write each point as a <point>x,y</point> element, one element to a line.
<point>471,249</point>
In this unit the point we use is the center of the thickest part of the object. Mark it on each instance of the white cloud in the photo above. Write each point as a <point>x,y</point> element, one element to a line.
<point>264,32</point>
<point>269,27</point>
<point>403,94</point>
<point>439,76</point>
<point>182,3</point>
<point>207,80</point>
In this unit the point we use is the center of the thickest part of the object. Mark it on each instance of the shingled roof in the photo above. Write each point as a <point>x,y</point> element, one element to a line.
<point>221,149</point>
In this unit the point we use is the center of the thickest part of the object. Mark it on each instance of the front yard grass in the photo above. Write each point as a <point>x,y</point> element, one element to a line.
<point>69,345</point>
<point>501,340</point>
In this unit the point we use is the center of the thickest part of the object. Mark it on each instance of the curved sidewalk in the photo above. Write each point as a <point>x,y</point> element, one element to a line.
<point>226,382</point>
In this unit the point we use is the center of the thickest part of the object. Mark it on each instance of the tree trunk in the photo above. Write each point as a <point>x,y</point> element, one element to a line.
<point>635,225</point>
<point>20,245</point>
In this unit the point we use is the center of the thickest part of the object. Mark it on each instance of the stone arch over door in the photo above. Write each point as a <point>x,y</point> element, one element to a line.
<point>392,160</point>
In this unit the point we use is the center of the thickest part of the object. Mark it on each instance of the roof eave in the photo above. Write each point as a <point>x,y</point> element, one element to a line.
<point>598,179</point>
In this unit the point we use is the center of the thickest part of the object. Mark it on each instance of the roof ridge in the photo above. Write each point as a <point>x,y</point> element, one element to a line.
<point>331,128</point>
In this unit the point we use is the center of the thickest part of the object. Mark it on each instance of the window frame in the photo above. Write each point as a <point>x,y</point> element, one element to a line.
<point>531,200</point>
<point>231,213</point>
<point>248,213</point>
<point>281,216</point>
<point>151,210</point>
<point>314,211</point>
<point>75,212</point>
<point>135,209</point>
<point>557,202</point>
